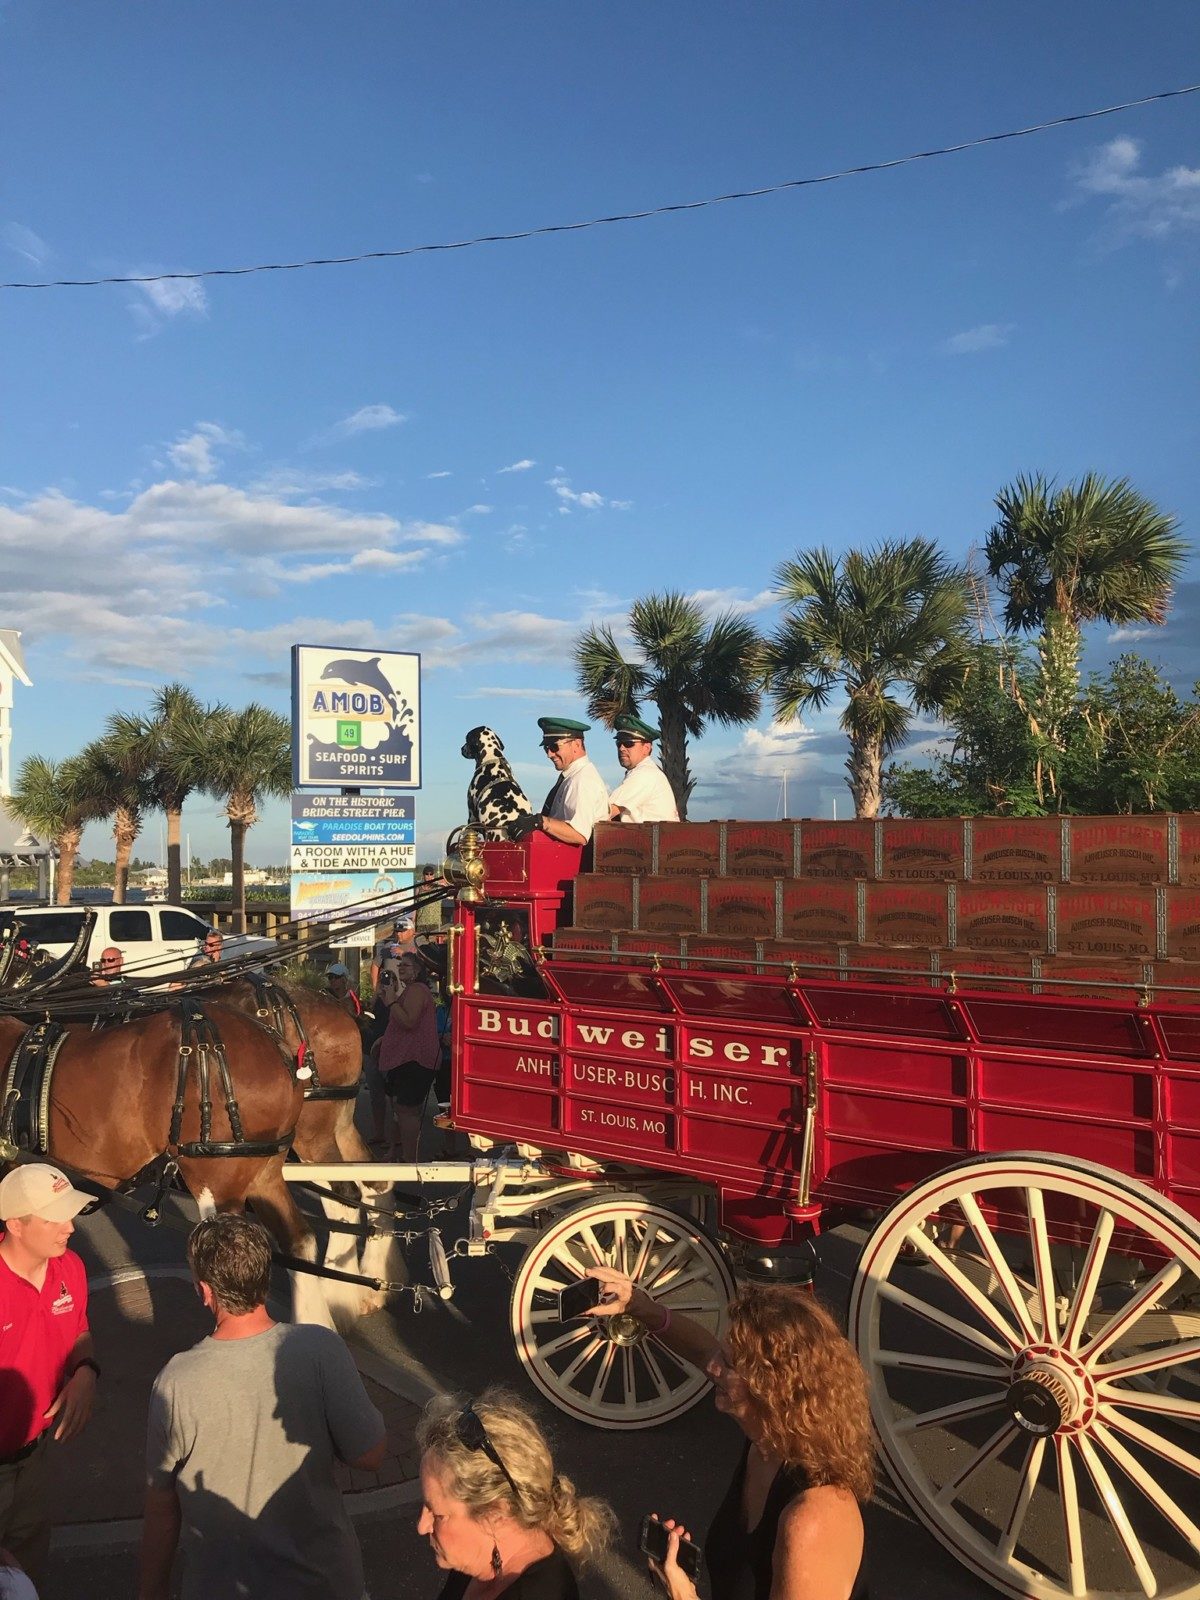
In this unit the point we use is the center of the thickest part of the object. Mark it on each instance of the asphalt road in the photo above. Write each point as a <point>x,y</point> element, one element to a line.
<point>679,1469</point>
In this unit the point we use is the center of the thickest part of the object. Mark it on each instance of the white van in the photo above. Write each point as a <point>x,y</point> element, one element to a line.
<point>152,938</point>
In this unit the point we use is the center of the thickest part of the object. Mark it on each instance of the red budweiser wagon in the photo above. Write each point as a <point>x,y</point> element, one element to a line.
<point>689,1081</point>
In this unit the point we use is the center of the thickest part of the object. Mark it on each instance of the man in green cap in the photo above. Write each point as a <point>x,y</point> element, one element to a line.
<point>646,794</point>
<point>579,800</point>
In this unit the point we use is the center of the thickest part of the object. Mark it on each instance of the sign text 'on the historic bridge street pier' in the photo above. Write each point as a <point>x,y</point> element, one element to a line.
<point>353,833</point>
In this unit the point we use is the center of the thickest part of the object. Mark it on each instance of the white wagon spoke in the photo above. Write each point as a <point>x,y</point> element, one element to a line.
<point>994,1256</point>
<point>954,1274</point>
<point>1164,1405</point>
<point>1149,1361</point>
<point>941,1365</point>
<point>988,1451</point>
<point>1111,1501</point>
<point>1043,1266</point>
<point>942,1319</point>
<point>1020,1508</point>
<point>655,1371</point>
<point>600,1382</point>
<point>668,1262</point>
<point>1123,1320</point>
<point>1069,1505</point>
<point>649,1235</point>
<point>565,1340</point>
<point>1085,1291</point>
<point>570,1373</point>
<point>628,1378</point>
<point>957,1411</point>
<point>1154,1442</point>
<point>1150,1487</point>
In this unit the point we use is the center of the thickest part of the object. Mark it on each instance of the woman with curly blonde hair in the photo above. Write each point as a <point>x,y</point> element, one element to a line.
<point>496,1514</point>
<point>790,1527</point>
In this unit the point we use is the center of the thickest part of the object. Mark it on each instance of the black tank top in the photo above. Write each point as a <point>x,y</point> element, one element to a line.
<point>740,1563</point>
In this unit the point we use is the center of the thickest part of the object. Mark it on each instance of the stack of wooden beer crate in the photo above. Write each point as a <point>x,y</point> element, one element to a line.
<point>1077,905</point>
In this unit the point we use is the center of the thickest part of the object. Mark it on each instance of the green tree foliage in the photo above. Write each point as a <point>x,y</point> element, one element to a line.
<point>1092,551</point>
<point>241,758</point>
<point>1128,743</point>
<point>888,627</point>
<point>695,671</point>
<point>52,800</point>
<point>117,786</point>
<point>150,743</point>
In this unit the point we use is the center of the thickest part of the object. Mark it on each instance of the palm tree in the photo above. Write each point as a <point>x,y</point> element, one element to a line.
<point>695,672</point>
<point>51,800</point>
<point>1096,551</point>
<point>244,757</point>
<point>116,785</point>
<point>151,741</point>
<point>892,618</point>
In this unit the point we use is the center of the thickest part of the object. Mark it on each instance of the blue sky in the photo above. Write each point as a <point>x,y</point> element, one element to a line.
<point>473,455</point>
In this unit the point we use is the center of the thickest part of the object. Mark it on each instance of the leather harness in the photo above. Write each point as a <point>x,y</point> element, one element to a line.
<point>199,1037</point>
<point>276,1008</point>
<point>25,1100</point>
<point>25,1103</point>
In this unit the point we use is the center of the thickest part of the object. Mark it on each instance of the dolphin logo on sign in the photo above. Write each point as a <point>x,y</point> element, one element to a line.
<point>352,671</point>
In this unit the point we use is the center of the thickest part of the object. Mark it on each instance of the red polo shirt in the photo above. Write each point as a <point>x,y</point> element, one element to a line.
<point>38,1330</point>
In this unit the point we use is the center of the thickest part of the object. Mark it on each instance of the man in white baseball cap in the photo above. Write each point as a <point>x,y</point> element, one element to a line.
<point>47,1370</point>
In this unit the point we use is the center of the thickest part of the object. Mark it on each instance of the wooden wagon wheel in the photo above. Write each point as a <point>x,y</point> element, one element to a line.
<point>609,1371</point>
<point>1031,1328</point>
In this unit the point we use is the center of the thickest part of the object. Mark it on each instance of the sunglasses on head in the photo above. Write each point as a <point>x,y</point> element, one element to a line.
<point>471,1433</point>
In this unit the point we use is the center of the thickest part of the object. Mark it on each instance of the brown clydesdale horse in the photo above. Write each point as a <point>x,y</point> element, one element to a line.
<point>323,1040</point>
<point>111,1106</point>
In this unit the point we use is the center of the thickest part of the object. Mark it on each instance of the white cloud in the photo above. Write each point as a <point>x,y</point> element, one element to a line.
<point>478,511</point>
<point>22,241</point>
<point>89,578</point>
<point>367,419</point>
<point>432,533</point>
<point>439,474</point>
<point>1139,206</point>
<point>1131,635</point>
<point>385,560</point>
<point>715,601</point>
<point>165,299</point>
<point>520,466</point>
<point>194,453</point>
<point>288,482</point>
<point>585,499</point>
<point>986,336</point>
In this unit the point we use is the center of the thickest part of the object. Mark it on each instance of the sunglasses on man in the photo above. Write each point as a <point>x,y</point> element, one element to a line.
<point>472,1434</point>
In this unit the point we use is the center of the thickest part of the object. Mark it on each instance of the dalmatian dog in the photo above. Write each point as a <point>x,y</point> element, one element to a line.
<point>494,797</point>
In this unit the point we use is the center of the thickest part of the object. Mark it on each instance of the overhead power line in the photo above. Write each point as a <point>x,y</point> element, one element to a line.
<point>603,222</point>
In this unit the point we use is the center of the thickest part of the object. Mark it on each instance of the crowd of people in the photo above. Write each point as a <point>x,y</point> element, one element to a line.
<point>245,1429</point>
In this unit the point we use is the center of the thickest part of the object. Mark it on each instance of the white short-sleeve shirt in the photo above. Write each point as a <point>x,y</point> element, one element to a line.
<point>646,794</point>
<point>581,798</point>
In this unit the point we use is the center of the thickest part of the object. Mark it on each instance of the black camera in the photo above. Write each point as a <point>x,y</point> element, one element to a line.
<point>654,1540</point>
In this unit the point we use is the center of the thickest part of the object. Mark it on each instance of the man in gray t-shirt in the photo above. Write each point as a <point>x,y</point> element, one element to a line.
<point>243,1434</point>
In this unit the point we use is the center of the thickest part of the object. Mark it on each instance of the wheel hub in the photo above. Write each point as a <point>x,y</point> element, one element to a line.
<point>622,1330</point>
<point>1049,1392</point>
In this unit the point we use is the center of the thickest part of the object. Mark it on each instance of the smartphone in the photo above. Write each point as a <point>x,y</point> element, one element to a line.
<point>653,1539</point>
<point>577,1299</point>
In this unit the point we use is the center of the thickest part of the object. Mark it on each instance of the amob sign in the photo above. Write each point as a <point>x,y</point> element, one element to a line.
<point>356,718</point>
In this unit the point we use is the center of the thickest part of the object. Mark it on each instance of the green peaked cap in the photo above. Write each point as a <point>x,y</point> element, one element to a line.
<point>631,724</point>
<point>560,727</point>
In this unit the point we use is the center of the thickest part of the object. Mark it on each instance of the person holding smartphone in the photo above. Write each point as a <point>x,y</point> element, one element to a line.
<point>790,1526</point>
<point>409,1053</point>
